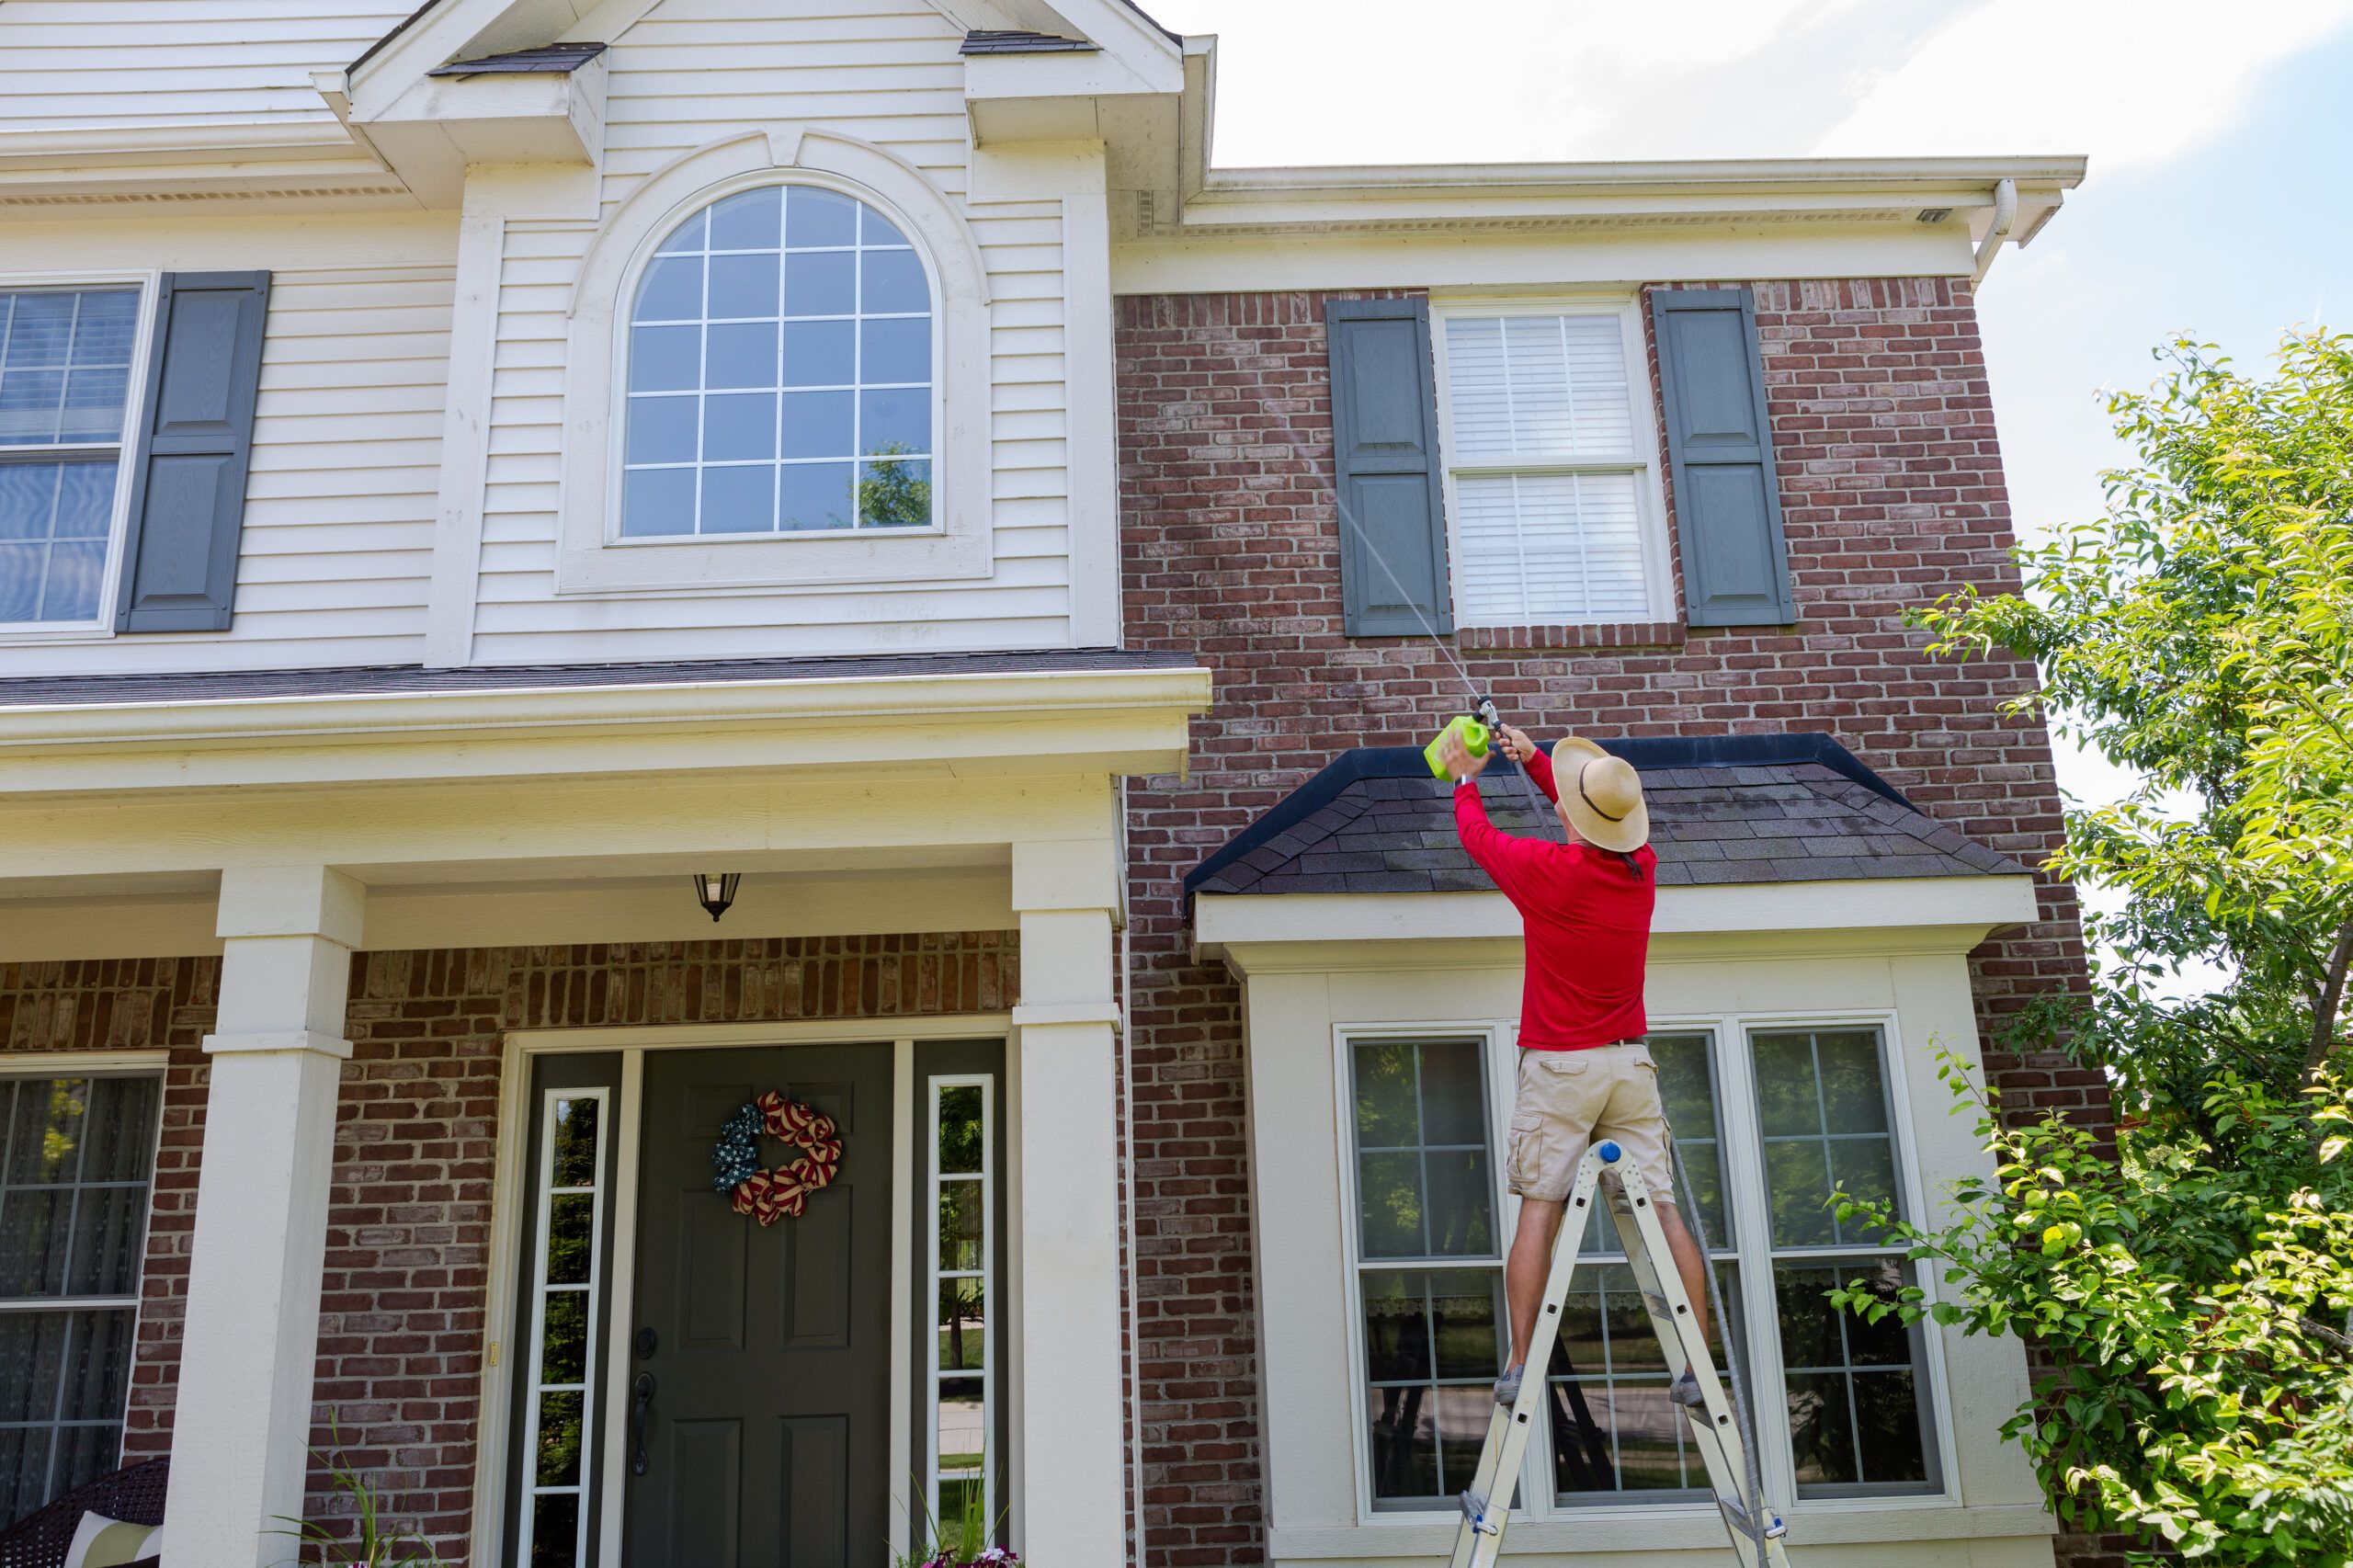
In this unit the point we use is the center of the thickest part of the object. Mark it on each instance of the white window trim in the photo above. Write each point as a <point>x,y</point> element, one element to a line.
<point>1742,1150</point>
<point>591,557</point>
<point>1650,494</point>
<point>150,286</point>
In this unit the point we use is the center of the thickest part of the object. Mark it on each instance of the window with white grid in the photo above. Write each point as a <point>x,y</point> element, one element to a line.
<point>76,1161</point>
<point>1771,1121</point>
<point>781,374</point>
<point>66,357</point>
<point>1551,465</point>
<point>560,1412</point>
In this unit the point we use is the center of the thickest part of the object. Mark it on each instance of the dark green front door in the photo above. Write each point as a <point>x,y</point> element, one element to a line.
<point>759,1379</point>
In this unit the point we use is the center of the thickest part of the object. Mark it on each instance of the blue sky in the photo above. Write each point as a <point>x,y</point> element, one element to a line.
<point>2217,202</point>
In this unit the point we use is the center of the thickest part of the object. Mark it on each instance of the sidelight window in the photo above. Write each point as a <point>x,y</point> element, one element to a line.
<point>559,1412</point>
<point>962,1248</point>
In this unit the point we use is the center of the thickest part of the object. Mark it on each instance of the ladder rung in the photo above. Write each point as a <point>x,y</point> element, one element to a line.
<point>1474,1513</point>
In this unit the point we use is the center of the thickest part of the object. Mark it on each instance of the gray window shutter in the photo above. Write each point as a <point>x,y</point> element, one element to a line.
<point>1384,429</point>
<point>1720,445</point>
<point>195,432</point>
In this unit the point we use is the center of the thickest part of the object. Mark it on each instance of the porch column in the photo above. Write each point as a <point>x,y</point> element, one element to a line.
<point>1070,1441</point>
<point>240,1425</point>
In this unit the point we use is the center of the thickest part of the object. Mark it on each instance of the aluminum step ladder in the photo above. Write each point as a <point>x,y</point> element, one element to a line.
<point>1757,1530</point>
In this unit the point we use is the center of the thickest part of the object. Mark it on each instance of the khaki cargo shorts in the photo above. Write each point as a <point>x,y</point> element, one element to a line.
<point>1570,1100</point>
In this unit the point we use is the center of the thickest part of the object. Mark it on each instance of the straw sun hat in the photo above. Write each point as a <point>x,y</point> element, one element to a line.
<point>1601,795</point>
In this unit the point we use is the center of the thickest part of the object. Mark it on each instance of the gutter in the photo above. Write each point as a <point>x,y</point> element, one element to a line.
<point>685,705</point>
<point>2006,217</point>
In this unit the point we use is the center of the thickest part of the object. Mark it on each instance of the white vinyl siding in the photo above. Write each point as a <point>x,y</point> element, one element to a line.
<point>692,72</point>
<point>1550,469</point>
<point>98,64</point>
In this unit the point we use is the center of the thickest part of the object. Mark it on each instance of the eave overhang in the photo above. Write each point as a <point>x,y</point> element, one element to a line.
<point>1122,721</point>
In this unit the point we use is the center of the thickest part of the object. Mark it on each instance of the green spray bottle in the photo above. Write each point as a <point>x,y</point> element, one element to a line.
<point>1474,741</point>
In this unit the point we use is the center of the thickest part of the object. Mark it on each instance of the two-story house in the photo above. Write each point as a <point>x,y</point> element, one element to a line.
<point>486,493</point>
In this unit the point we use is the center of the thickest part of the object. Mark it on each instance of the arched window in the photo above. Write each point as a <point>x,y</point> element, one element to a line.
<point>781,374</point>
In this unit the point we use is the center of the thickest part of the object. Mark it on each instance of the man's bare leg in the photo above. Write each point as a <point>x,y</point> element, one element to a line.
<point>1687,1261</point>
<point>1530,1263</point>
<point>1524,1271</point>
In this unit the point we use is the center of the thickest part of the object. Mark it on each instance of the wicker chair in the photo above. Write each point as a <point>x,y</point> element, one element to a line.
<point>40,1538</point>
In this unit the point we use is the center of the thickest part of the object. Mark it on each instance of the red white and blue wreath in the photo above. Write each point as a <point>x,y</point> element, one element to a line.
<point>771,1195</point>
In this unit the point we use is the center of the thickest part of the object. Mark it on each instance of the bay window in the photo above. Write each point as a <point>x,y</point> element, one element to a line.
<point>1771,1121</point>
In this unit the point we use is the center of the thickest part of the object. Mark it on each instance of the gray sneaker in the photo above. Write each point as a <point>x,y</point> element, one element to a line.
<point>1685,1391</point>
<point>1507,1386</point>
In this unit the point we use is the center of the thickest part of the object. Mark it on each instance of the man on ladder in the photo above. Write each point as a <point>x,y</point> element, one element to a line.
<point>1585,1073</point>
<point>1586,1112</point>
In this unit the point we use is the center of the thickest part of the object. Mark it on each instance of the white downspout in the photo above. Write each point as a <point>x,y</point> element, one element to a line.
<point>1128,1185</point>
<point>2006,217</point>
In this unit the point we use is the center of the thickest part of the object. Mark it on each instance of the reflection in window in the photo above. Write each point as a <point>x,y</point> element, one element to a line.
<point>560,1412</point>
<point>64,382</point>
<point>780,372</point>
<point>1857,1398</point>
<point>73,1193</point>
<point>1614,1430</point>
<point>961,1247</point>
<point>1425,1196</point>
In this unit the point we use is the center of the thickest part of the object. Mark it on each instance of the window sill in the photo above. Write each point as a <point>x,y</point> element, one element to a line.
<point>1600,1532</point>
<point>1598,634</point>
<point>834,558</point>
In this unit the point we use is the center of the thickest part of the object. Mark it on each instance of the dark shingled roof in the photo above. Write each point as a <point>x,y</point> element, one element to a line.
<point>554,57</point>
<point>982,40</point>
<point>1723,809</point>
<point>387,679</point>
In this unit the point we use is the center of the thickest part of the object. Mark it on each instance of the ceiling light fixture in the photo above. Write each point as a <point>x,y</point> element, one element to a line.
<point>716,889</point>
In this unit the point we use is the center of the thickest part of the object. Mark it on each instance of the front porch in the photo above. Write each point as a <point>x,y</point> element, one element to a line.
<point>371,965</point>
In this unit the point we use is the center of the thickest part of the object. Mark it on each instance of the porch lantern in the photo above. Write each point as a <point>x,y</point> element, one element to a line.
<point>715,891</point>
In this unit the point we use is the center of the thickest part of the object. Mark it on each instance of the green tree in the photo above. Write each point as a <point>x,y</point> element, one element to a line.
<point>2193,1291</point>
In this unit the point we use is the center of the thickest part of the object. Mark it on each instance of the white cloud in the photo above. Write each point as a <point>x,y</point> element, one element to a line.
<point>2129,83</point>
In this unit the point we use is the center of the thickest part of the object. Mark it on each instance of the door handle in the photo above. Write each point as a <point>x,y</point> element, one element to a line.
<point>640,1402</point>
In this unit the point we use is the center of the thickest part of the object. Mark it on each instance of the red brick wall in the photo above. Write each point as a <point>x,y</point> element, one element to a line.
<point>408,1225</point>
<point>1891,492</point>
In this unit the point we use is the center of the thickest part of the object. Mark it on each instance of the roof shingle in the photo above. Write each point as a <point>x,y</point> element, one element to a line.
<point>1723,809</point>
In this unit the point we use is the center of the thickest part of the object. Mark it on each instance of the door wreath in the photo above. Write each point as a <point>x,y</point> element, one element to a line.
<point>769,1195</point>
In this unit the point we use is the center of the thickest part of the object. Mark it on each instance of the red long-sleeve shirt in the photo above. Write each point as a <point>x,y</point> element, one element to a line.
<point>1589,926</point>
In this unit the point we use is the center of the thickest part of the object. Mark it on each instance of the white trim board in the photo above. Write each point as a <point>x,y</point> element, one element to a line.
<point>1934,913</point>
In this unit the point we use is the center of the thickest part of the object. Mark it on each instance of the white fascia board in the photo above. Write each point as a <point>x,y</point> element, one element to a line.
<point>1299,930</point>
<point>433,132</point>
<point>1039,721</point>
<point>1867,189</point>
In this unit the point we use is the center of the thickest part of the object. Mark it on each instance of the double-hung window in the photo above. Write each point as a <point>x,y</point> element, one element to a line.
<point>67,356</point>
<point>1552,464</point>
<point>76,1160</point>
<point>1788,1113</point>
